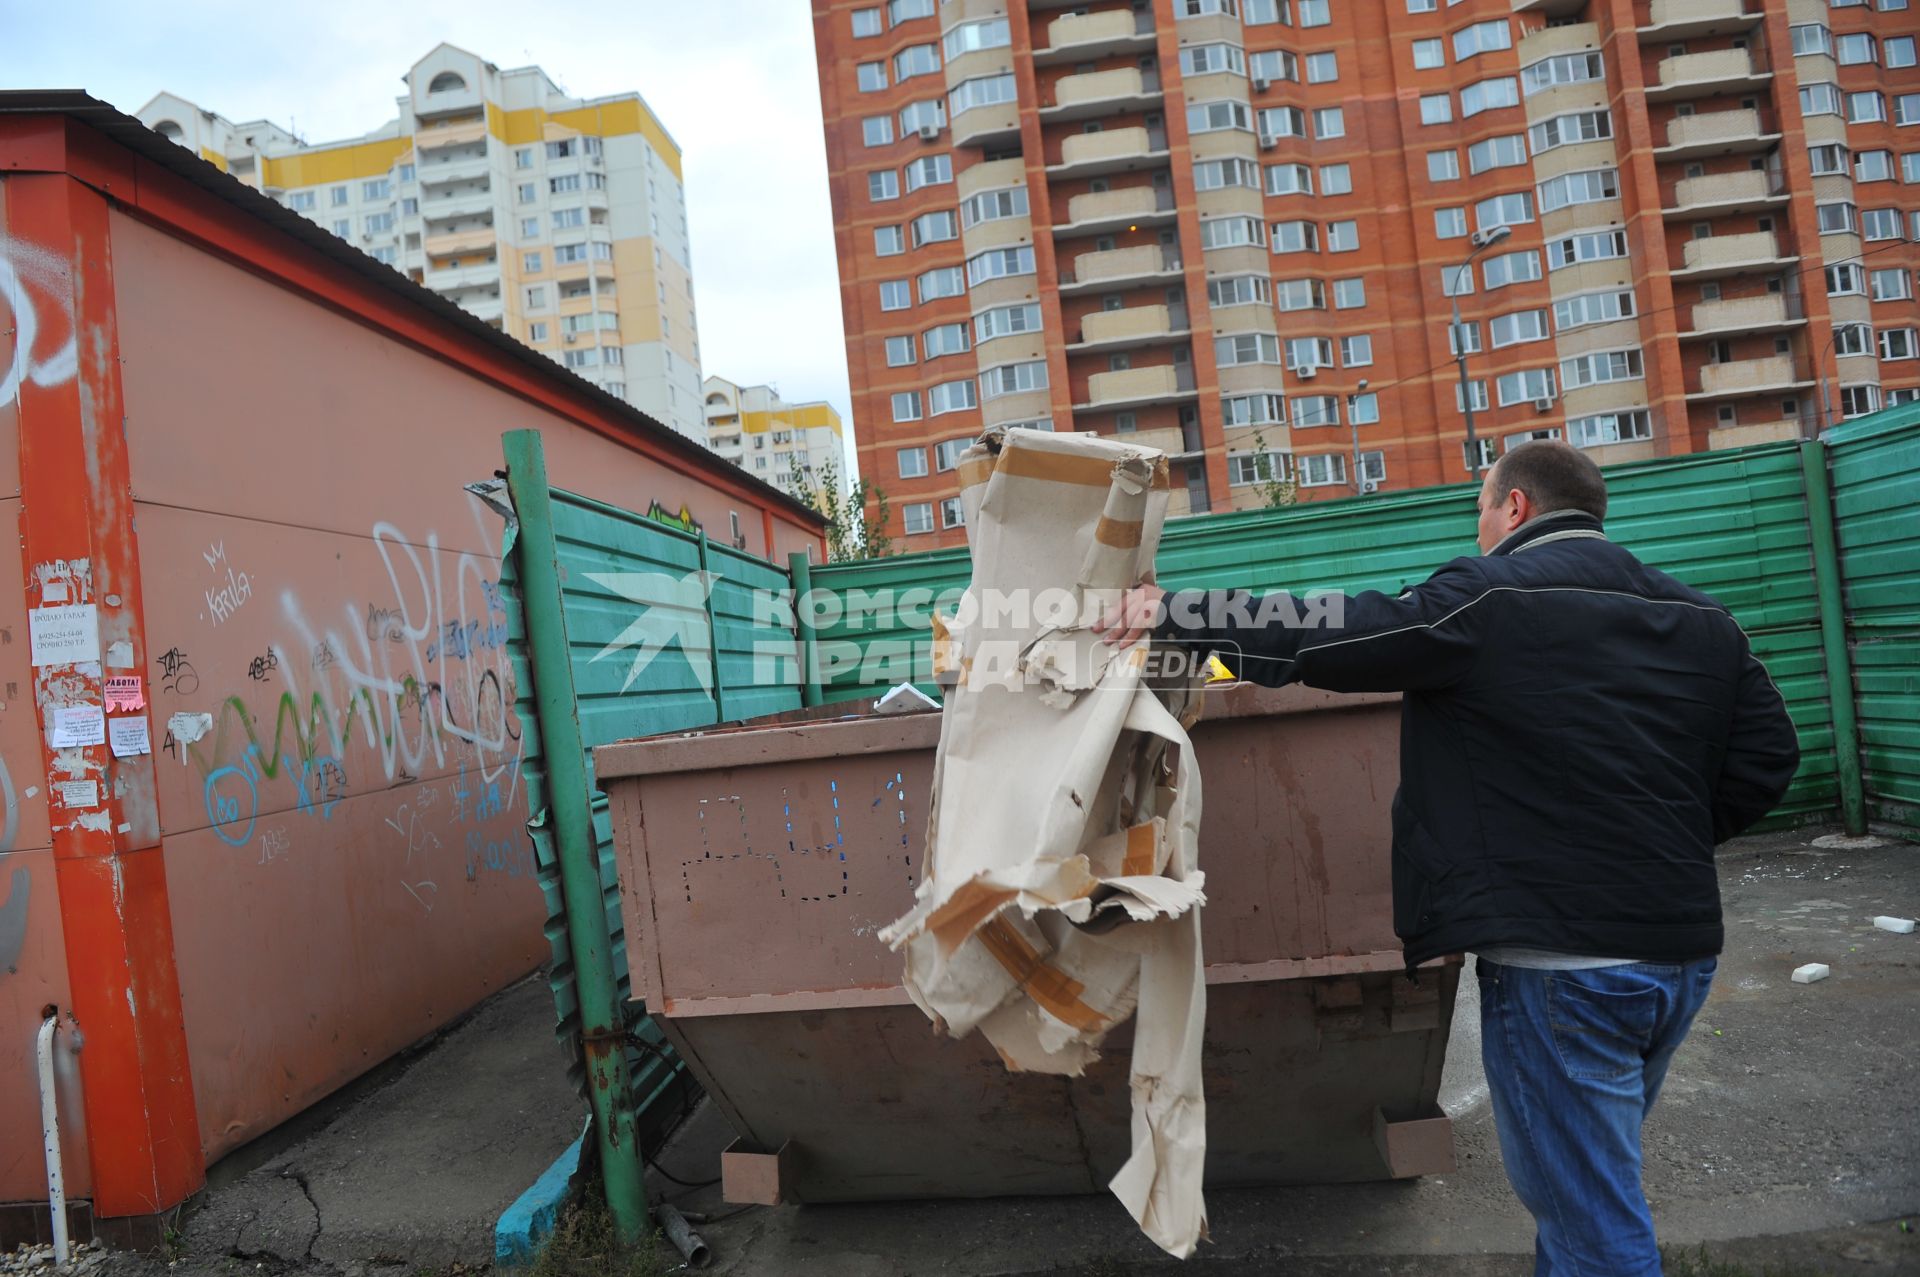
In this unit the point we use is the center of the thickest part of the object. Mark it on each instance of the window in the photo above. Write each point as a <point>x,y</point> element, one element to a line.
<point>1854,49</point>
<point>1456,281</point>
<point>1213,175</point>
<point>1866,108</point>
<point>1890,285</point>
<point>1262,12</point>
<point>378,224</point>
<point>302,201</point>
<point>1436,108</point>
<point>1363,409</point>
<point>1844,280</point>
<point>1503,210</point>
<point>1853,339</point>
<point>1349,294</point>
<point>1906,109</point>
<point>929,170</point>
<point>1322,68</point>
<point>945,281</point>
<point>1489,95</point>
<point>1835,219</point>
<point>1873,166</point>
<point>386,255</point>
<point>1897,343</point>
<point>523,158</point>
<point>1274,64</point>
<point>1211,117</point>
<point>529,228</point>
<point>1314,13</point>
<point>562,149</point>
<point>1229,232</point>
<point>1565,130</point>
<point>935,227</point>
<point>917,517</point>
<point>1288,237</point>
<point>1428,54</point>
<point>1481,37</point>
<point>971,37</point>
<point>1820,98</point>
<point>1592,308</point>
<point>1356,351</point>
<point>1420,6</point>
<point>1588,187</point>
<point>530,263</point>
<point>916,117</point>
<point>894,294</point>
<point>1898,51</point>
<point>1013,379</point>
<point>527,192</point>
<point>888,240</point>
<point>951,396</point>
<point>947,454</point>
<point>877,130</point>
<point>1283,121</point>
<point>1005,321</point>
<point>1300,294</point>
<point>1343,237</point>
<point>899,11</point>
<point>952,513</point>
<point>339,196</point>
<point>379,188</point>
<point>1308,352</point>
<point>1208,59</point>
<point>906,405</point>
<point>998,263</point>
<point>1880,223</point>
<point>1315,410</point>
<point>1530,385</point>
<point>883,184</point>
<point>1323,471</point>
<point>1831,160</point>
<point>1857,401</point>
<point>1246,348</point>
<point>1813,38</point>
<point>537,332</point>
<point>1497,152</point>
<point>565,218</point>
<point>1336,179</point>
<point>1599,368</point>
<point>871,76</point>
<point>1592,247</point>
<point>989,206</point>
<point>1623,426</point>
<point>1244,468</point>
<point>985,90</point>
<point>1450,223</point>
<point>899,352</point>
<point>564,183</point>
<point>1443,166</point>
<point>1567,68</point>
<point>1252,410</point>
<point>537,297</point>
<point>1330,122</point>
<point>1510,268</point>
<point>918,59</point>
<point>1520,326</point>
<point>1244,290</point>
<point>912,462</point>
<point>866,22</point>
<point>343,227</point>
<point>1477,391</point>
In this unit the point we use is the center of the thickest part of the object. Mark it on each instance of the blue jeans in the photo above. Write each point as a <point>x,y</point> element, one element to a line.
<point>1574,1062</point>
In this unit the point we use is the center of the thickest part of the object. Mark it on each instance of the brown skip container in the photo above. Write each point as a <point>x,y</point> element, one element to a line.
<point>758,861</point>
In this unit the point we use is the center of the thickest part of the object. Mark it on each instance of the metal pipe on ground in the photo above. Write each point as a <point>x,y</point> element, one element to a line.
<point>691,1246</point>
<point>50,1134</point>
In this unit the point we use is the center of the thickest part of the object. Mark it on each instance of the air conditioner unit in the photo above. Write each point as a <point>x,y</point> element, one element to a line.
<point>1306,372</point>
<point>570,337</point>
<point>1262,84</point>
<point>1268,141</point>
<point>1369,485</point>
<point>928,132</point>
<point>1542,405</point>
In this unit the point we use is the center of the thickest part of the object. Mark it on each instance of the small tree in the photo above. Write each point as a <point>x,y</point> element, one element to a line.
<point>851,533</point>
<point>1276,487</point>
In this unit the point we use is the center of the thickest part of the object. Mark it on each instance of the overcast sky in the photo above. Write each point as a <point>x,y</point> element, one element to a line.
<point>733,81</point>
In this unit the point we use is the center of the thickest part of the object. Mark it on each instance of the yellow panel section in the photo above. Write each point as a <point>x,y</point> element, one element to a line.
<point>214,158</point>
<point>320,166</point>
<point>755,423</point>
<point>815,415</point>
<point>610,119</point>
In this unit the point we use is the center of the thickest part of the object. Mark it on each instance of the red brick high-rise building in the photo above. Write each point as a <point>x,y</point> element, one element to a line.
<point>1237,229</point>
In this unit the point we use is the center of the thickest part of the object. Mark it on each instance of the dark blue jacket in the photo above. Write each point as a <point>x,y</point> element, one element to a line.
<point>1579,731</point>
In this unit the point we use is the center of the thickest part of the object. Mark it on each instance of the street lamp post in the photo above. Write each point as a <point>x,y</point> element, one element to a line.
<point>1482,240</point>
<point>1359,484</point>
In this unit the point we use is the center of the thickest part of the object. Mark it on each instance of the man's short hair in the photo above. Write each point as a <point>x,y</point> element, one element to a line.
<point>1554,475</point>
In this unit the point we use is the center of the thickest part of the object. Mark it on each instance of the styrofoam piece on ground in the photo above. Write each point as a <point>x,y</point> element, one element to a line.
<point>1899,926</point>
<point>1811,972</point>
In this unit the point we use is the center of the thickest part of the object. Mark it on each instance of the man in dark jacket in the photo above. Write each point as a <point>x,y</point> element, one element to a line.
<point>1579,731</point>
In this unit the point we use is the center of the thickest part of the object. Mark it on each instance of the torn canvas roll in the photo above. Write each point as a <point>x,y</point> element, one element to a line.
<point>1061,891</point>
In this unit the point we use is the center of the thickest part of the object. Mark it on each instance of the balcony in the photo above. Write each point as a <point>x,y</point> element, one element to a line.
<point>441,136</point>
<point>1743,378</point>
<point>1121,268</point>
<point>1168,439</point>
<point>1769,313</point>
<point>463,204</point>
<point>1083,37</point>
<point>1673,20</point>
<point>1747,191</point>
<point>456,243</point>
<point>1700,75</point>
<point>1129,328</point>
<point>1138,387</point>
<point>1110,151</point>
<point>468,167</point>
<point>1550,8</point>
<point>1098,212</point>
<point>490,309</point>
<point>1692,137</point>
<point>1093,94</point>
<point>1719,256</point>
<point>1745,436</point>
<point>468,275</point>
<point>990,125</point>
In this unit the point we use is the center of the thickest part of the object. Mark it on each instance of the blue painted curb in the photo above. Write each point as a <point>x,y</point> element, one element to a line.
<point>529,1221</point>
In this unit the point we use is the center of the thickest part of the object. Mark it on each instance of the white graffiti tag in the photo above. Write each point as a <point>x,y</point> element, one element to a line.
<point>25,268</point>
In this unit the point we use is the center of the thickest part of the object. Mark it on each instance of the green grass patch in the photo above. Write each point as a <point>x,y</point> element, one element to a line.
<point>583,1244</point>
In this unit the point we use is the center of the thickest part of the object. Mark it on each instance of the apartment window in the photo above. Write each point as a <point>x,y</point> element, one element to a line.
<point>1330,122</point>
<point>1568,68</point>
<point>1210,59</point>
<point>1592,308</point>
<point>1565,130</point>
<point>1450,223</point>
<point>922,117</point>
<point>1496,152</point>
<point>946,455</point>
<point>564,184</point>
<point>1854,49</point>
<point>1421,6</point>
<point>339,196</point>
<point>1343,237</point>
<point>866,22</point>
<point>945,281</point>
<point>1592,247</point>
<point>1831,160</point>
<point>1513,329</point>
<point>1844,280</point>
<point>1477,391</point>
<point>985,90</point>
<point>537,331</point>
<point>585,358</point>
<point>951,396</point>
<point>917,517</point>
<point>971,37</point>
<point>1356,351</point>
<point>1274,64</point>
<point>1602,428</point>
<point>523,157</point>
<point>871,76</point>
<point>917,59</point>
<point>1436,108</point>
<point>1314,13</point>
<point>999,263</point>
<point>1005,321</point>
<point>1245,468</point>
<point>929,170</point>
<point>1866,108</point>
<point>537,297</point>
<point>912,462</point>
<point>378,223</point>
<point>935,227</point>
<point>1231,232</point>
<point>1247,290</point>
<point>1288,237</point>
<point>1322,471</point>
<point>1315,410</point>
<point>877,130</point>
<point>1349,294</point>
<point>1880,223</point>
<point>1599,368</point>
<point>1252,410</point>
<point>1529,385</point>
<point>1456,281</point>
<point>1873,166</point>
<point>906,405</point>
<point>566,218</point>
<point>1212,117</point>
<point>1813,38</point>
<point>1014,379</point>
<point>527,192</point>
<point>1322,68</point>
<point>529,228</point>
<point>899,352</point>
<point>1308,352</point>
<point>1336,179</point>
<point>988,206</point>
<point>379,188</point>
<point>386,255</point>
<point>1852,339</point>
<point>1835,219</point>
<point>1213,175</point>
<point>1428,54</point>
<point>1899,51</point>
<point>895,295</point>
<point>1263,12</point>
<point>1910,168</point>
<point>883,184</point>
<point>1588,187</point>
<point>343,227</point>
<point>530,263</point>
<point>888,241</point>
<point>952,513</point>
<point>1489,95</point>
<point>1820,98</point>
<point>1443,166</point>
<point>1364,410</point>
<point>1858,401</point>
<point>1503,210</point>
<point>1481,37</point>
<point>561,150</point>
<point>899,11</point>
<point>1897,343</point>
<point>1510,268</point>
<point>1891,285</point>
<point>302,201</point>
<point>1246,348</point>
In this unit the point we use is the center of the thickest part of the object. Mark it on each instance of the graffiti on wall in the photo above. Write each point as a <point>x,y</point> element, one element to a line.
<point>34,285</point>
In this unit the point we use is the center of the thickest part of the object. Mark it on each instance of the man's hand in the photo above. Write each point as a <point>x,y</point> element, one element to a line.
<point>1138,610</point>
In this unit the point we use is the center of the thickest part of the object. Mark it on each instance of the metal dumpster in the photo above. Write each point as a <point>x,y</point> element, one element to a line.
<point>757,862</point>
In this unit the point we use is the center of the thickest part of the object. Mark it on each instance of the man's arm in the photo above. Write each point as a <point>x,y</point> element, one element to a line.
<point>1427,637</point>
<point>1763,752</point>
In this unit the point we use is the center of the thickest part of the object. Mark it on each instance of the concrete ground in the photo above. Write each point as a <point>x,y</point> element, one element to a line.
<point>1786,1132</point>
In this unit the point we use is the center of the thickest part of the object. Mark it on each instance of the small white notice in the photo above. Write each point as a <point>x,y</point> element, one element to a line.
<point>129,736</point>
<point>78,793</point>
<point>78,725</point>
<point>62,635</point>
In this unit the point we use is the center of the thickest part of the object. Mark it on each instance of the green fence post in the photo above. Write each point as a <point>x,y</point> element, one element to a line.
<point>1833,636</point>
<point>570,807</point>
<point>712,580</point>
<point>802,573</point>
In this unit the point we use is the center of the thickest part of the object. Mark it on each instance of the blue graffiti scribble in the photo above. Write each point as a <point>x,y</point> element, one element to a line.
<point>223,810</point>
<point>322,782</point>
<point>513,858</point>
<point>460,639</point>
